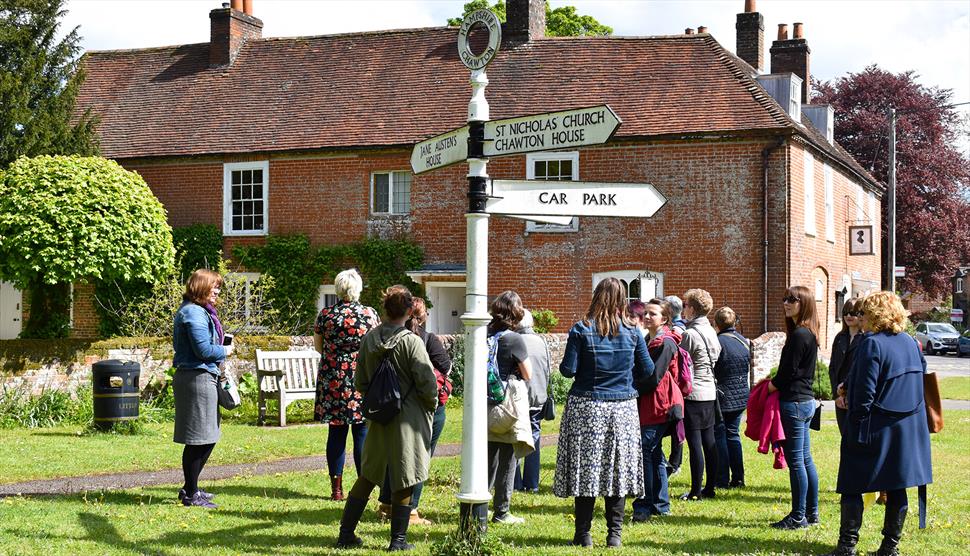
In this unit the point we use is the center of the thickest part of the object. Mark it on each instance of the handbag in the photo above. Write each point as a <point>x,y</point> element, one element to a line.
<point>502,416</point>
<point>816,423</point>
<point>934,406</point>
<point>229,397</point>
<point>548,411</point>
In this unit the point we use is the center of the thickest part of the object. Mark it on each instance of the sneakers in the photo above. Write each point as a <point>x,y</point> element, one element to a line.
<point>736,484</point>
<point>789,523</point>
<point>688,497</point>
<point>206,495</point>
<point>416,519</point>
<point>812,519</point>
<point>199,500</point>
<point>640,518</point>
<point>508,519</point>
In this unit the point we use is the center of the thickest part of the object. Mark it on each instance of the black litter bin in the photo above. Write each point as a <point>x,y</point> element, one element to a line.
<point>115,385</point>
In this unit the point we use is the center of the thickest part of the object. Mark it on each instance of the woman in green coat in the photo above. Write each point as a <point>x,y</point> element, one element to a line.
<point>401,447</point>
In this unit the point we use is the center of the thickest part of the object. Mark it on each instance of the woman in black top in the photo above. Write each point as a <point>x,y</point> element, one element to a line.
<point>796,372</point>
<point>843,349</point>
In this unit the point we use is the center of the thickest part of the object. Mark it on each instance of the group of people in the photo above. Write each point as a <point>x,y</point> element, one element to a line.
<point>641,371</point>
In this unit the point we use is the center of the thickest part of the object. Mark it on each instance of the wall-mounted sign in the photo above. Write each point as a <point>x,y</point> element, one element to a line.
<point>490,21</point>
<point>860,240</point>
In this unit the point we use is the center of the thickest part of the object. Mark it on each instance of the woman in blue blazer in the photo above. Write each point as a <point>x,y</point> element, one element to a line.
<point>886,445</point>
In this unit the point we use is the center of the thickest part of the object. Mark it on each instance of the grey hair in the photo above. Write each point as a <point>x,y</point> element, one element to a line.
<point>347,285</point>
<point>676,306</point>
<point>526,322</point>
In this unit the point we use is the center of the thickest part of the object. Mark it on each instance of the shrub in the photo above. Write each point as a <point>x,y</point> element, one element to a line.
<point>457,353</point>
<point>197,246</point>
<point>544,320</point>
<point>822,386</point>
<point>18,408</point>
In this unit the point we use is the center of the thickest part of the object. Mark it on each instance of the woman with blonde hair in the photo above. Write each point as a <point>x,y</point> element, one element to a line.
<point>197,338</point>
<point>599,437</point>
<point>886,445</point>
<point>337,334</point>
<point>793,382</point>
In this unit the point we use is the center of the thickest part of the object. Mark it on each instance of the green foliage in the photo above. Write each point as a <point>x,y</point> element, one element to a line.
<point>560,22</point>
<point>457,353</point>
<point>18,408</point>
<point>197,246</point>
<point>472,542</point>
<point>298,269</point>
<point>39,82</point>
<point>544,320</point>
<point>559,386</point>
<point>822,386</point>
<point>66,219</point>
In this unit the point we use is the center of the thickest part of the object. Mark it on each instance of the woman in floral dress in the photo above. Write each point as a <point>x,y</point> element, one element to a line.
<point>337,335</point>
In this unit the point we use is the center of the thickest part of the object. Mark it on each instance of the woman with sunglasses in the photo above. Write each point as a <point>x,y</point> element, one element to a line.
<point>843,349</point>
<point>796,372</point>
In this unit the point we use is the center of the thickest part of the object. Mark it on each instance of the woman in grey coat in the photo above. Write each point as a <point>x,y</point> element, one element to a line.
<point>401,447</point>
<point>197,338</point>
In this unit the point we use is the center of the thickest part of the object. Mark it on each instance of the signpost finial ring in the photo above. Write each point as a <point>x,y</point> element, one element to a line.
<point>494,27</point>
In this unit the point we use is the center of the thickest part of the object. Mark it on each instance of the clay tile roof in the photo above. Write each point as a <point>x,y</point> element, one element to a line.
<point>399,87</point>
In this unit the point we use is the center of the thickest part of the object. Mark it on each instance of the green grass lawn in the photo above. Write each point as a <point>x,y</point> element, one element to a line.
<point>289,514</point>
<point>955,388</point>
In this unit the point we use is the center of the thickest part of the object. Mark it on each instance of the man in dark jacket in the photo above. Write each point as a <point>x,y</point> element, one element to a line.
<point>731,373</point>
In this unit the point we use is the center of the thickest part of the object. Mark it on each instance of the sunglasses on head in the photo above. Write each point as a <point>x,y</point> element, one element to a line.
<point>790,299</point>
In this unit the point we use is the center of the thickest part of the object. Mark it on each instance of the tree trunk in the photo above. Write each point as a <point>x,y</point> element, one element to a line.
<point>49,311</point>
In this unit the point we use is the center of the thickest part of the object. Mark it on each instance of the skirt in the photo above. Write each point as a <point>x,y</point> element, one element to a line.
<point>599,449</point>
<point>196,407</point>
<point>698,415</point>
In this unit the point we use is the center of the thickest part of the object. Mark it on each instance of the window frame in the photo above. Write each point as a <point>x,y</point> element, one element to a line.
<point>808,177</point>
<point>531,226</point>
<point>829,203</point>
<point>628,276</point>
<point>390,192</point>
<point>322,292</point>
<point>959,285</point>
<point>227,169</point>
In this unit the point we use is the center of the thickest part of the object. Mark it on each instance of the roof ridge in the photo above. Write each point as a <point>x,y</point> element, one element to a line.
<point>145,49</point>
<point>757,91</point>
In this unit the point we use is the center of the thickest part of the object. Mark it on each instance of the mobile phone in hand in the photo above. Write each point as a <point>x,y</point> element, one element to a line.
<point>227,339</point>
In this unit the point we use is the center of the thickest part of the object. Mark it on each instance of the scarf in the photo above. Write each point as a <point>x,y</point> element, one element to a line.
<point>215,319</point>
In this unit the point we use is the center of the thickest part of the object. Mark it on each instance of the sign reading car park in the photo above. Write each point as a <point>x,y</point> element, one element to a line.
<point>440,151</point>
<point>557,198</point>
<point>554,130</point>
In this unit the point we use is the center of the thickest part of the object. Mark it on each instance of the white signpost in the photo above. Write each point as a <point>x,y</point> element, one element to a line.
<point>554,130</point>
<point>557,198</point>
<point>440,151</point>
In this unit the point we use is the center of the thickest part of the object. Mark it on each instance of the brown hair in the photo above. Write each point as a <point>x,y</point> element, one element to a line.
<point>397,301</point>
<point>700,301</point>
<point>725,318</point>
<point>419,315</point>
<point>848,307</point>
<point>807,315</point>
<point>506,312</point>
<point>884,312</point>
<point>666,309</point>
<point>608,309</point>
<point>200,284</point>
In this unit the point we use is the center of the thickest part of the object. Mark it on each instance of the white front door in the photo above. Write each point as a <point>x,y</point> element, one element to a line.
<point>11,313</point>
<point>448,304</point>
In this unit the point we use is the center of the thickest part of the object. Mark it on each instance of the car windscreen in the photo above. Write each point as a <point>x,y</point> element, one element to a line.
<point>941,328</point>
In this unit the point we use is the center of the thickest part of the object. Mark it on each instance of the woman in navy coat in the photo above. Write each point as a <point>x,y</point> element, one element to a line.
<point>886,445</point>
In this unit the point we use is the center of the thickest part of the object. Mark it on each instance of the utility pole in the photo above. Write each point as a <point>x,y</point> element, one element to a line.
<point>891,206</point>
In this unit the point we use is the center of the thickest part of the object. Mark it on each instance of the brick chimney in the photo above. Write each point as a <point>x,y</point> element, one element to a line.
<point>792,56</point>
<point>750,45</point>
<point>231,26</point>
<point>525,21</point>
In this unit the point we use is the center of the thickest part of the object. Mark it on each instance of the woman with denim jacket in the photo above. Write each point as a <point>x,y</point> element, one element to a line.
<point>197,339</point>
<point>599,438</point>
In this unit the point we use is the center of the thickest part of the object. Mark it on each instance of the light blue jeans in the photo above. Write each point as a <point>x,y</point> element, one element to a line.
<point>656,499</point>
<point>795,417</point>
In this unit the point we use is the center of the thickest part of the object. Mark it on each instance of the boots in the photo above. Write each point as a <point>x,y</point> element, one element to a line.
<point>584,520</point>
<point>892,530</point>
<point>614,520</point>
<point>348,523</point>
<point>336,487</point>
<point>848,529</point>
<point>400,519</point>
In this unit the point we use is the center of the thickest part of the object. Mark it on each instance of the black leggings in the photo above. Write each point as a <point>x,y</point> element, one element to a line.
<point>703,450</point>
<point>194,457</point>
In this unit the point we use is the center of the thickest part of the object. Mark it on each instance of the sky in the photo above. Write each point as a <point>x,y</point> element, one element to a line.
<point>931,37</point>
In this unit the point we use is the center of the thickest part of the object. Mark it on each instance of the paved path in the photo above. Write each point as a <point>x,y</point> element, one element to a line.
<point>948,365</point>
<point>829,405</point>
<point>118,481</point>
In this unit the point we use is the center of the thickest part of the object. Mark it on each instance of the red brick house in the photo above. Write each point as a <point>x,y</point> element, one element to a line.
<point>313,135</point>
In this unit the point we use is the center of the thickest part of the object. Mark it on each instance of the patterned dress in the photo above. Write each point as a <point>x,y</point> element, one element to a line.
<point>342,326</point>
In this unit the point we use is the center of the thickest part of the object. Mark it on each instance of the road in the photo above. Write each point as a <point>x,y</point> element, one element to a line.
<point>948,365</point>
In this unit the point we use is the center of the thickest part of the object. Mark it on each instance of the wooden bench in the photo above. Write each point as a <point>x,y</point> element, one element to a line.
<point>285,376</point>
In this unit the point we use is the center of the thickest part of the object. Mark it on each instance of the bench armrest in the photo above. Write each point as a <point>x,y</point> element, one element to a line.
<point>260,373</point>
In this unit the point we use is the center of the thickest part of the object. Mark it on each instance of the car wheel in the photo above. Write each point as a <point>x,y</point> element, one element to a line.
<point>929,348</point>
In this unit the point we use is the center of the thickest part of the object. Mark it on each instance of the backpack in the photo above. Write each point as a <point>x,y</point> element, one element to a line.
<point>666,401</point>
<point>496,387</point>
<point>383,400</point>
<point>685,365</point>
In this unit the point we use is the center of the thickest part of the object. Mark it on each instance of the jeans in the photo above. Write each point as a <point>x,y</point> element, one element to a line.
<point>795,417</point>
<point>528,477</point>
<point>437,425</point>
<point>501,475</point>
<point>656,499</point>
<point>337,447</point>
<point>730,464</point>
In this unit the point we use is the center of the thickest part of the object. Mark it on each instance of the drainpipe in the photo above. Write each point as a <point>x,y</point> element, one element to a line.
<point>765,153</point>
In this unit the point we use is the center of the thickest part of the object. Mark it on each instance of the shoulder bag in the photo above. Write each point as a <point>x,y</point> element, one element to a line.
<point>934,405</point>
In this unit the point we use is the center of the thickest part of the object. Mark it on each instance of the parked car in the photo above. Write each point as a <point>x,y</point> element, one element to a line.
<point>937,337</point>
<point>963,344</point>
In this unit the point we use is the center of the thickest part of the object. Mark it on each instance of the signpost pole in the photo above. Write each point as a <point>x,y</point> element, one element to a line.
<point>473,493</point>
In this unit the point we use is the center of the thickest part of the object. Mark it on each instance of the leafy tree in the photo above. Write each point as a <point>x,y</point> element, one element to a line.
<point>932,176</point>
<point>39,82</point>
<point>65,219</point>
<point>560,22</point>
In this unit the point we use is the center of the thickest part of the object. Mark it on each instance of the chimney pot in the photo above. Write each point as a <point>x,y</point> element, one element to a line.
<point>225,5</point>
<point>750,38</point>
<point>749,6</point>
<point>248,7</point>
<point>525,21</point>
<point>797,32</point>
<point>688,31</point>
<point>237,5</point>
<point>702,29</point>
<point>783,31</point>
